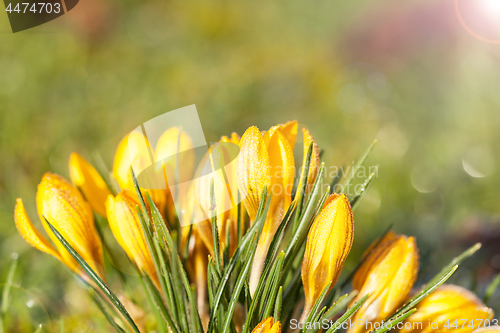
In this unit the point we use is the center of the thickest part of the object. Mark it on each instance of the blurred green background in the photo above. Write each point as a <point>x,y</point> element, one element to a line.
<point>416,75</point>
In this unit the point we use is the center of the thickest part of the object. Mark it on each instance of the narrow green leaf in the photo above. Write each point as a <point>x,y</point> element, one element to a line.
<point>301,232</point>
<point>277,305</point>
<point>253,231</point>
<point>97,280</point>
<point>273,286</point>
<point>358,165</point>
<point>364,188</point>
<point>303,181</point>
<point>387,326</point>
<point>158,303</point>
<point>347,315</point>
<point>239,284</point>
<point>429,288</point>
<point>8,283</point>
<point>456,261</point>
<point>339,304</point>
<point>316,305</point>
<point>105,312</point>
<point>159,225</point>
<point>153,250</point>
<point>490,290</point>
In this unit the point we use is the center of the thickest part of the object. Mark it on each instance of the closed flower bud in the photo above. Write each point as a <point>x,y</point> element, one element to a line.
<point>135,152</point>
<point>126,227</point>
<point>64,207</point>
<point>218,166</point>
<point>267,326</point>
<point>387,274</point>
<point>328,244</point>
<point>449,309</point>
<point>266,160</point>
<point>86,178</point>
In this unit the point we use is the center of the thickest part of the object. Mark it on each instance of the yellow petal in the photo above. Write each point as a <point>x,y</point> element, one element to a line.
<point>64,207</point>
<point>126,227</point>
<point>282,170</point>
<point>328,243</point>
<point>86,178</point>
<point>449,303</point>
<point>30,234</point>
<point>387,274</point>
<point>253,169</point>
<point>132,150</point>
<point>175,146</point>
<point>289,130</point>
<point>267,326</point>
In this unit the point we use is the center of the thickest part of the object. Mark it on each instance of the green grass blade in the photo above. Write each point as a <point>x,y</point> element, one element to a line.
<point>490,290</point>
<point>98,302</point>
<point>429,288</point>
<point>97,280</point>
<point>158,303</point>
<point>170,247</point>
<point>456,261</point>
<point>364,188</point>
<point>239,285</point>
<point>304,175</point>
<point>301,232</point>
<point>273,286</point>
<point>339,304</point>
<point>347,315</point>
<point>277,305</point>
<point>253,232</point>
<point>358,165</point>
<point>316,305</point>
<point>8,284</point>
<point>392,323</point>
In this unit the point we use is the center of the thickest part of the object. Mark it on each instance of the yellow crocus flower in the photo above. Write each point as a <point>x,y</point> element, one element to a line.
<point>387,274</point>
<point>126,227</point>
<point>328,243</point>
<point>64,207</point>
<point>449,308</point>
<point>267,326</point>
<point>86,178</point>
<point>219,165</point>
<point>266,160</point>
<point>138,145</point>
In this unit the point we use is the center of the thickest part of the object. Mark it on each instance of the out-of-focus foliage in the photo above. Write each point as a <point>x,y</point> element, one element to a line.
<point>406,73</point>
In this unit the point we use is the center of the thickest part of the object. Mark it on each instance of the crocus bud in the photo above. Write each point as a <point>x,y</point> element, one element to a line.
<point>126,227</point>
<point>328,244</point>
<point>266,160</point>
<point>387,274</point>
<point>86,178</point>
<point>448,308</point>
<point>64,207</point>
<point>134,151</point>
<point>218,166</point>
<point>267,326</point>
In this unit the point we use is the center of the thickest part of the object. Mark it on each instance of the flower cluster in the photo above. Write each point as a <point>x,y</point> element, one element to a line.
<point>242,266</point>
